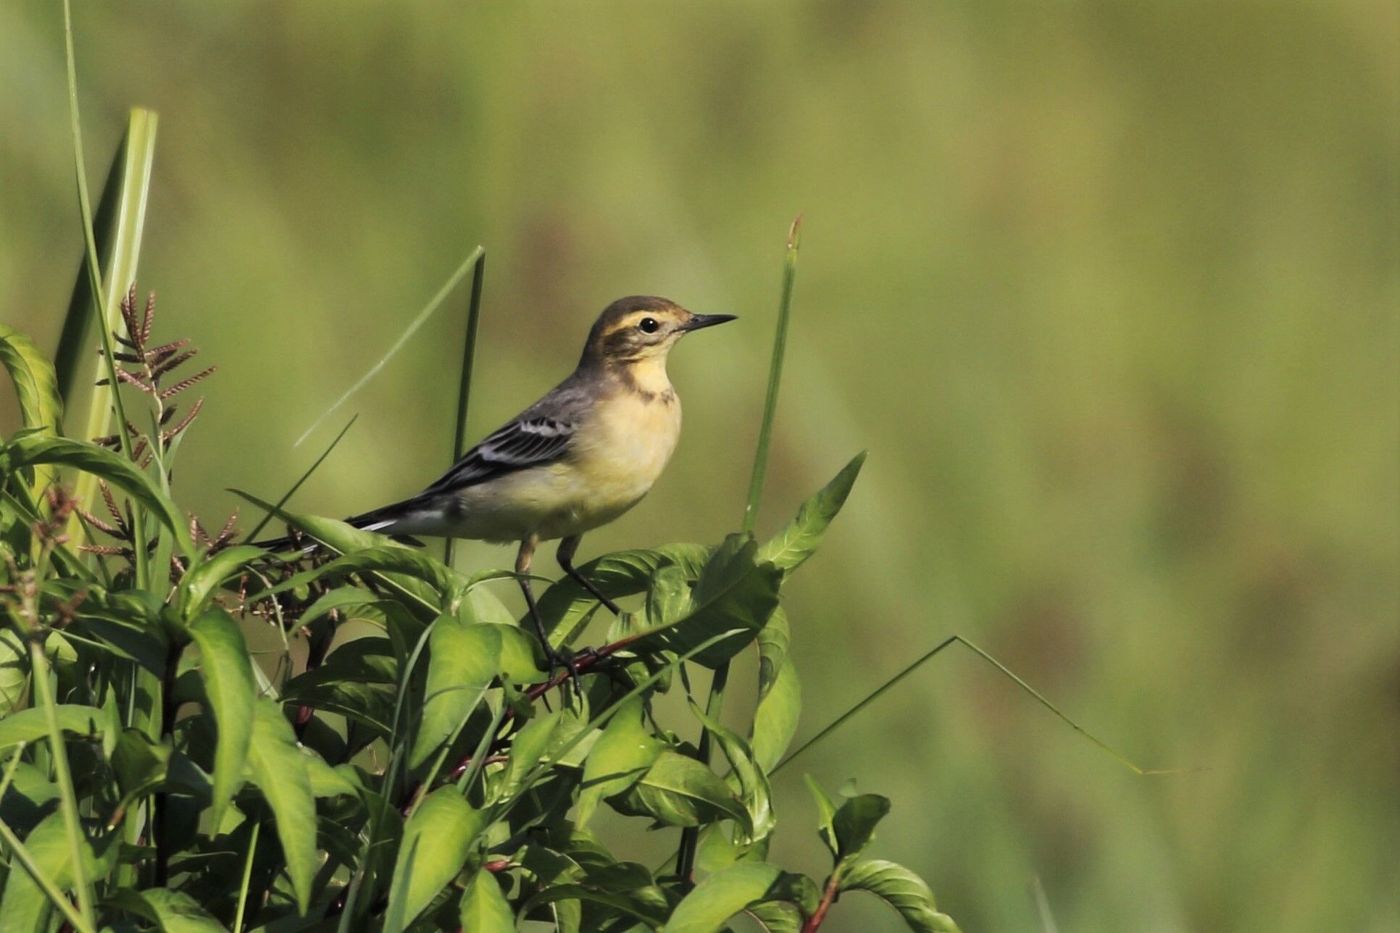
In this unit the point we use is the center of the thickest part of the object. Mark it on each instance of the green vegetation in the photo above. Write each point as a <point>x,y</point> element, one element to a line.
<point>1108,290</point>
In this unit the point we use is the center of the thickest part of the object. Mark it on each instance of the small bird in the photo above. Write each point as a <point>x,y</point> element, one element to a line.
<point>582,455</point>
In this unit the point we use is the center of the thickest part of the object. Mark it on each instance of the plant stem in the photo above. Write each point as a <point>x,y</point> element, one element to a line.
<point>814,922</point>
<point>39,667</point>
<point>247,876</point>
<point>459,437</point>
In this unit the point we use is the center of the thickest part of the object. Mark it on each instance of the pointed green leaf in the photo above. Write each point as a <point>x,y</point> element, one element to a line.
<point>204,578</point>
<point>176,912</point>
<point>677,790</point>
<point>34,450</point>
<point>463,659</point>
<point>754,791</point>
<point>279,769</point>
<point>795,543</point>
<point>436,841</point>
<point>733,593</point>
<point>527,750</point>
<point>36,387</point>
<point>228,685</point>
<point>484,907</point>
<point>855,821</point>
<point>624,751</point>
<point>708,907</point>
<point>29,725</point>
<point>826,813</point>
<point>903,890</point>
<point>565,607</point>
<point>24,906</point>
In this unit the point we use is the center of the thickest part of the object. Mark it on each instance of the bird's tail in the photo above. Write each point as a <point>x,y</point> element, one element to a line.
<point>384,520</point>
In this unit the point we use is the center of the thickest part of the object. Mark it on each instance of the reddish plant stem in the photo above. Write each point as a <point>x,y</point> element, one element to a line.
<point>833,884</point>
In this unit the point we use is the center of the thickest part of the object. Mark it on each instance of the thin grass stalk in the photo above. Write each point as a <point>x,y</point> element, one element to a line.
<point>68,801</point>
<point>286,496</point>
<point>247,876</point>
<point>1039,697</point>
<point>55,896</point>
<point>714,705</point>
<point>459,436</point>
<point>418,321</point>
<point>126,249</point>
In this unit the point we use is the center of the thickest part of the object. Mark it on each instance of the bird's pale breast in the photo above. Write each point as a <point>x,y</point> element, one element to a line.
<point>612,462</point>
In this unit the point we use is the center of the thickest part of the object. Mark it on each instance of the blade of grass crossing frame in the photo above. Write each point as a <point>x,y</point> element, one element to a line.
<point>125,251</point>
<point>459,437</point>
<point>714,705</point>
<point>267,516</point>
<point>775,376</point>
<point>418,321</point>
<point>1040,698</point>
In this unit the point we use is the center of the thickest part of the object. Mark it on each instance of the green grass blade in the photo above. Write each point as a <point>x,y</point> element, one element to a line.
<point>775,376</point>
<point>68,800</point>
<point>459,437</point>
<point>124,252</point>
<point>1040,698</point>
<point>418,321</point>
<point>315,465</point>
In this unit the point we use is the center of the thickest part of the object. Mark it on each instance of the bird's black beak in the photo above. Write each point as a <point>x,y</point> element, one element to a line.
<point>698,321</point>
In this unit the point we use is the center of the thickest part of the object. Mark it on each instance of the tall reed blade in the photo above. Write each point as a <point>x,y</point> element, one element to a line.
<point>459,437</point>
<point>775,376</point>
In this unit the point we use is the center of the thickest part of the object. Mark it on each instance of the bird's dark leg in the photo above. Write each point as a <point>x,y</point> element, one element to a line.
<point>555,657</point>
<point>565,556</point>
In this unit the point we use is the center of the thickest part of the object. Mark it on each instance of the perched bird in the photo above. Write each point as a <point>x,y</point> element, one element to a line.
<point>586,452</point>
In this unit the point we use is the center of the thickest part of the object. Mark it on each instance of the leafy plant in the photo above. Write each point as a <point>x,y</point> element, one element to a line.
<point>406,760</point>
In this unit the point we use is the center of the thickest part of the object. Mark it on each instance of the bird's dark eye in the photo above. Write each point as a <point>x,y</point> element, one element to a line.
<point>648,325</point>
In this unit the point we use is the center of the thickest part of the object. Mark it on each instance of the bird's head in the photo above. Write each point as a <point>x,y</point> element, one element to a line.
<point>641,329</point>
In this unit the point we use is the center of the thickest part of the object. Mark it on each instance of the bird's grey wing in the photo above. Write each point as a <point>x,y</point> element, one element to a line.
<point>529,441</point>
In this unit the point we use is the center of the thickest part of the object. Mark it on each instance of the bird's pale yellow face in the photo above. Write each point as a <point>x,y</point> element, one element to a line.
<point>642,329</point>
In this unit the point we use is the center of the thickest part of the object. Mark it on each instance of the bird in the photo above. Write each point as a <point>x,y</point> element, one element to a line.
<point>588,451</point>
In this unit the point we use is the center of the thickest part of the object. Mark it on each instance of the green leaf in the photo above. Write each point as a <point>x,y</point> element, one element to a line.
<point>25,905</point>
<point>358,680</point>
<point>566,606</point>
<point>795,543</point>
<point>708,907</point>
<point>199,584</point>
<point>624,751</point>
<point>228,685</point>
<point>754,791</point>
<point>854,823</point>
<point>779,694</point>
<point>436,841</point>
<point>463,659</point>
<point>826,814</point>
<point>677,790</point>
<point>34,450</point>
<point>279,769</point>
<point>174,911</point>
<point>484,907</point>
<point>733,593</point>
<point>14,672</point>
<point>36,387</point>
<point>29,725</point>
<point>775,916</point>
<point>901,889</point>
<point>527,750</point>
<point>521,658</point>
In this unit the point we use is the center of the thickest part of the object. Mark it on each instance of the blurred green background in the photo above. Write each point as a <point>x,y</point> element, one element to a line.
<point>1109,291</point>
